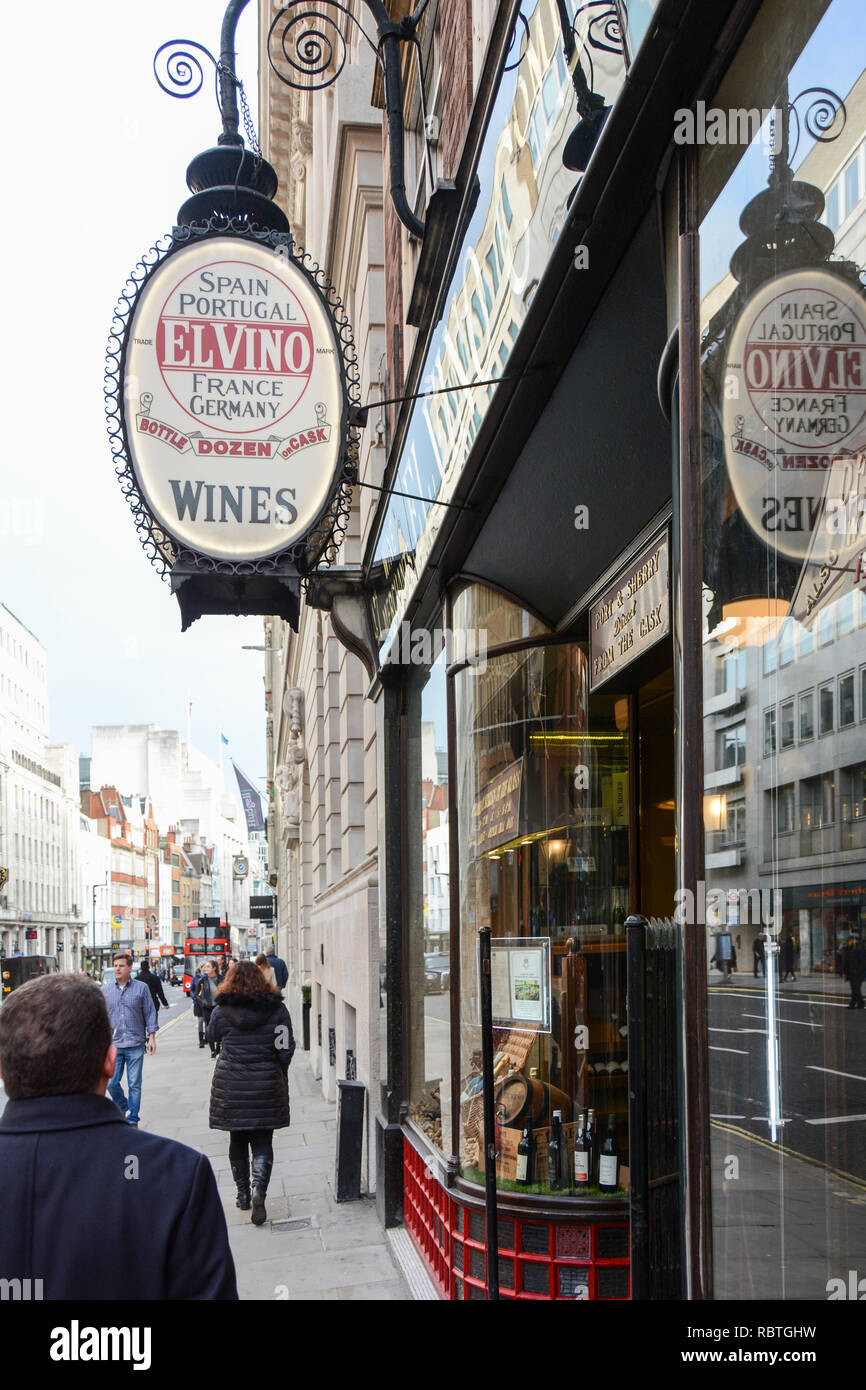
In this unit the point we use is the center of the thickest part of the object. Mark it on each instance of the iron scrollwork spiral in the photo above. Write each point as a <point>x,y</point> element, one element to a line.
<point>307,47</point>
<point>603,30</point>
<point>821,118</point>
<point>178,69</point>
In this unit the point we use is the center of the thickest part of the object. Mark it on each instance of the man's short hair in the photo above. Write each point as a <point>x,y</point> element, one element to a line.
<point>122,955</point>
<point>54,1036</point>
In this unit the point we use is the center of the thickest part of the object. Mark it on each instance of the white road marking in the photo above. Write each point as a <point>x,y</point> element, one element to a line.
<point>837,1120</point>
<point>783,998</point>
<point>798,1023</point>
<point>760,1031</point>
<point>727,1117</point>
<point>739,1050</point>
<point>852,1076</point>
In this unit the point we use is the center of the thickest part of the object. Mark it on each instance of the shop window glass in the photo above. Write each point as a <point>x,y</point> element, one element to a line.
<point>826,626</point>
<point>852,185</point>
<point>429,944</point>
<point>846,613</point>
<point>769,732</point>
<point>826,697</point>
<point>735,823</point>
<point>734,671</point>
<point>483,617</point>
<point>506,205</point>
<point>852,804</point>
<point>545,862</point>
<point>781,584</point>
<point>846,700</point>
<point>828,798</point>
<point>785,810</point>
<point>732,746</point>
<point>786,644</point>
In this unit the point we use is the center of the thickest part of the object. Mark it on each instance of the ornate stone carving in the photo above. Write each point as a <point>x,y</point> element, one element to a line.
<point>290,774</point>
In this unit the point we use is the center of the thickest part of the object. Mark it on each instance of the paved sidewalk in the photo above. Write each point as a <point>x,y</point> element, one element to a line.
<point>311,1247</point>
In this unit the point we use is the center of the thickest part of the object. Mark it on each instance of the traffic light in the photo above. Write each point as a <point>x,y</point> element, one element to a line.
<point>147,933</point>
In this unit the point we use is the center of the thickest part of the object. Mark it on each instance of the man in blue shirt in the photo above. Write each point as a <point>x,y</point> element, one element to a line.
<point>133,1018</point>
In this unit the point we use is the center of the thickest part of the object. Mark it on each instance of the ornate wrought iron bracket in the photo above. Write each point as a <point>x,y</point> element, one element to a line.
<point>307,51</point>
<point>311,58</point>
<point>229,180</point>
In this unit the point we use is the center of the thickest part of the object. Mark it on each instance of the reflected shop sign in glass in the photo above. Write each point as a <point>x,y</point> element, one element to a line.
<point>794,421</point>
<point>524,193</point>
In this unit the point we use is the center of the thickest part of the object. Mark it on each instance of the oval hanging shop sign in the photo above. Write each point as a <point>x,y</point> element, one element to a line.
<point>794,413</point>
<point>233,399</point>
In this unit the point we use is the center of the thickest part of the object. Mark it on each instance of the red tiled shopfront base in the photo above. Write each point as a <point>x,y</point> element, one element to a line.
<point>538,1259</point>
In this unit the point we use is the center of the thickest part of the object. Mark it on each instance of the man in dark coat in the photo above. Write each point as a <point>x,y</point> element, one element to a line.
<point>157,993</point>
<point>280,969</point>
<point>92,1208</point>
<point>250,1092</point>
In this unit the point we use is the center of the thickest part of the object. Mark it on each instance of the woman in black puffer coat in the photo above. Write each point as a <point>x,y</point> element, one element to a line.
<point>250,1090</point>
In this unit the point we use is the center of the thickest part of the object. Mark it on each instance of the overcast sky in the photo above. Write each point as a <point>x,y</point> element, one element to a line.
<point>94,175</point>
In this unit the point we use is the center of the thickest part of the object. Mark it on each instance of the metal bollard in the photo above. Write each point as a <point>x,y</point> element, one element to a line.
<point>350,1140</point>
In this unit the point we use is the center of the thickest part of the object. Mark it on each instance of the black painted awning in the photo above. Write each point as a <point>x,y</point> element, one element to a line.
<point>600,441</point>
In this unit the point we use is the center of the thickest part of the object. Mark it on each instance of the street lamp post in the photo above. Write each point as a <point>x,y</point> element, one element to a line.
<point>103,884</point>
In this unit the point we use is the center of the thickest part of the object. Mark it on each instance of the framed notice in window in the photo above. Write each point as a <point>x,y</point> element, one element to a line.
<point>520,982</point>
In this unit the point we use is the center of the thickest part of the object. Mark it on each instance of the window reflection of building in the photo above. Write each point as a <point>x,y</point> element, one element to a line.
<point>795,801</point>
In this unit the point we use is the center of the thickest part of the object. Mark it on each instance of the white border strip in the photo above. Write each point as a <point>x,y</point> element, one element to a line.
<point>411,1265</point>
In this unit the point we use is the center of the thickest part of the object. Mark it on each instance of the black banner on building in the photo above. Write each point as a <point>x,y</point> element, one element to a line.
<point>262,909</point>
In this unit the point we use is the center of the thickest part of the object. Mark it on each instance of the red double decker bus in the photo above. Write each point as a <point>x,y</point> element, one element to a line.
<point>207,937</point>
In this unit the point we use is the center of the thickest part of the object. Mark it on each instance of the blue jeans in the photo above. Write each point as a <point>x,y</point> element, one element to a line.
<point>133,1059</point>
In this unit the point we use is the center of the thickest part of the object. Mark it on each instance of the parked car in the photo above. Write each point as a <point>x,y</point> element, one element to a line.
<point>437,974</point>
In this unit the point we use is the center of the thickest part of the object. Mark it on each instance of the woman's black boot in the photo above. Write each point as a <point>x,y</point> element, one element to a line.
<point>261,1177</point>
<point>241,1174</point>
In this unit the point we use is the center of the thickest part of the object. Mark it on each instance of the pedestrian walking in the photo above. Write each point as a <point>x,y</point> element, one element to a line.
<point>280,969</point>
<point>206,998</point>
<point>134,1027</point>
<point>267,970</point>
<point>72,1219</point>
<point>196,1007</point>
<point>157,993</point>
<point>786,957</point>
<point>758,955</point>
<point>250,1091</point>
<point>723,958</point>
<point>854,969</point>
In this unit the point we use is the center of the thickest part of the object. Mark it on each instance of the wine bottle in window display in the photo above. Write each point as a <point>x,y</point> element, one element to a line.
<point>525,1165</point>
<point>591,1140</point>
<point>581,1155</point>
<point>608,1159</point>
<point>554,1152</point>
